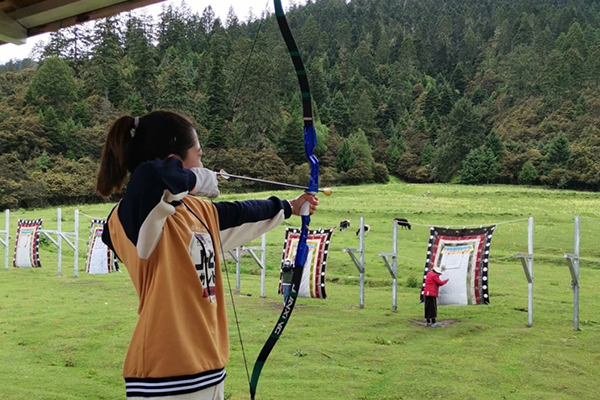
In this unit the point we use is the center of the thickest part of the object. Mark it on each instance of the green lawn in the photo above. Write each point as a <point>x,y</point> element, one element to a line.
<point>65,337</point>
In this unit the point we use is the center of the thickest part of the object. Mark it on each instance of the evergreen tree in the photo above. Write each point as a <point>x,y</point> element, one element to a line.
<point>79,40</point>
<point>389,130</point>
<point>393,158</point>
<point>43,162</point>
<point>528,173</point>
<point>408,52</point>
<point>218,94</point>
<point>576,39</point>
<point>318,82</point>
<point>312,40</point>
<point>581,106</point>
<point>50,120</point>
<point>592,65</point>
<point>232,22</point>
<point>57,46</point>
<point>364,63</point>
<point>345,158</point>
<point>544,41</point>
<point>361,148</point>
<point>139,49</point>
<point>479,167</point>
<point>465,132</point>
<point>175,84</point>
<point>504,37</point>
<point>469,49</point>
<point>291,144</point>
<point>135,105</point>
<point>363,116</point>
<point>53,85</point>
<point>81,114</point>
<point>104,76</point>
<point>340,114</point>
<point>558,154</point>
<point>494,144</point>
<point>172,30</point>
<point>446,101</point>
<point>52,123</point>
<point>459,79</point>
<point>561,43</point>
<point>427,154</point>
<point>575,61</point>
<point>432,101</point>
<point>524,35</point>
<point>382,52</point>
<point>208,19</point>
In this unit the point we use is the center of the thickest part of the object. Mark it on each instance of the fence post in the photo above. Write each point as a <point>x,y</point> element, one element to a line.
<point>360,263</point>
<point>530,283</point>
<point>573,263</point>
<point>6,238</point>
<point>76,246</point>
<point>393,267</point>
<point>59,239</point>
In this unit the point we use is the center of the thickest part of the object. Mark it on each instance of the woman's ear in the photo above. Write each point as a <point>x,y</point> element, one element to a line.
<point>176,156</point>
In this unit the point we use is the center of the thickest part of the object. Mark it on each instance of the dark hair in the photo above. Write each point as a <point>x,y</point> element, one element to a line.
<point>158,134</point>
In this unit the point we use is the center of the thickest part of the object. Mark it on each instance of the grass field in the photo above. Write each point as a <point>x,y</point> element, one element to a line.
<point>65,338</point>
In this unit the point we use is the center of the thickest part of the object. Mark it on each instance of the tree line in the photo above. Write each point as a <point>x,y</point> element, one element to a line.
<point>466,91</point>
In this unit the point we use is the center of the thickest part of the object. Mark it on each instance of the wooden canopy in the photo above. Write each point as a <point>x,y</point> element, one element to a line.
<point>20,19</point>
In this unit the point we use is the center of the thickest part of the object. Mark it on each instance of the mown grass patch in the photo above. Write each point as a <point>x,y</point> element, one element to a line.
<point>65,337</point>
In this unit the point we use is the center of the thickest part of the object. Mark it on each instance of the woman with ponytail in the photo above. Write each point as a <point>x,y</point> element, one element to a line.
<point>171,243</point>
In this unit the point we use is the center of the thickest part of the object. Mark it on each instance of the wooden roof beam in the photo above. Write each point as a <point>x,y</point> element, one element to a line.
<point>52,15</point>
<point>55,10</point>
<point>11,31</point>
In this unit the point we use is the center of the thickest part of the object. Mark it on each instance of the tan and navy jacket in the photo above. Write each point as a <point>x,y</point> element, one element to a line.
<point>170,243</point>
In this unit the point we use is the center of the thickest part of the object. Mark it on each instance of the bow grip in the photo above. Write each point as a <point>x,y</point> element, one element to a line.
<point>305,209</point>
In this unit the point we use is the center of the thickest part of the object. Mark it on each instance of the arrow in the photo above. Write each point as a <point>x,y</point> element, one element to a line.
<point>225,175</point>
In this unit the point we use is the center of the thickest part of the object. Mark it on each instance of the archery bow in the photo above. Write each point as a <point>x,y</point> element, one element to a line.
<point>310,141</point>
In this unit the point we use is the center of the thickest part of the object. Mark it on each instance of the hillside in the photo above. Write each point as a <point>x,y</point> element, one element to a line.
<point>463,90</point>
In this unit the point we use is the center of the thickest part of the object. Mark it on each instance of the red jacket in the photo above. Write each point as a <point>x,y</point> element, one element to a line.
<point>432,283</point>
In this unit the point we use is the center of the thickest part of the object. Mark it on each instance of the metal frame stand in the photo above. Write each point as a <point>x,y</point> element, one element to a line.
<point>260,261</point>
<point>60,235</point>
<point>6,237</point>
<point>238,261</point>
<point>360,262</point>
<point>573,263</point>
<point>527,261</point>
<point>393,267</point>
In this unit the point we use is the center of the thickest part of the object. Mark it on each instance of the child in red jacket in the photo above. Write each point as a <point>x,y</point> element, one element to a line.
<point>431,292</point>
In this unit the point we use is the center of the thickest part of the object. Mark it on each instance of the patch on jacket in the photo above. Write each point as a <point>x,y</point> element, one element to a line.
<point>202,252</point>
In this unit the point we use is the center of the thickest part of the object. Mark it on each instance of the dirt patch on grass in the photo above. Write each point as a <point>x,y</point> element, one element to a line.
<point>444,323</point>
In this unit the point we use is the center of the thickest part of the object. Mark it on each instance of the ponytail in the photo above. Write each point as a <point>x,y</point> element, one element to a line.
<point>113,161</point>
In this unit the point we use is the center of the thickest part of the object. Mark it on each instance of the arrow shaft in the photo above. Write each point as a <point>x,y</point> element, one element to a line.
<point>228,175</point>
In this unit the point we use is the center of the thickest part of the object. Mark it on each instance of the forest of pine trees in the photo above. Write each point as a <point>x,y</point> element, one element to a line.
<point>464,91</point>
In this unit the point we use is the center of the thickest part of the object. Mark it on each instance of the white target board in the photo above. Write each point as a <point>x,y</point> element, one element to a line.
<point>27,244</point>
<point>100,259</point>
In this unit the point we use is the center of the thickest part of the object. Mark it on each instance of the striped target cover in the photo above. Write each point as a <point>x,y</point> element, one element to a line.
<point>313,278</point>
<point>463,255</point>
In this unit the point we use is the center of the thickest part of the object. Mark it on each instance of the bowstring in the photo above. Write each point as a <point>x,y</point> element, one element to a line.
<point>239,87</point>
<point>237,321</point>
<point>233,103</point>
